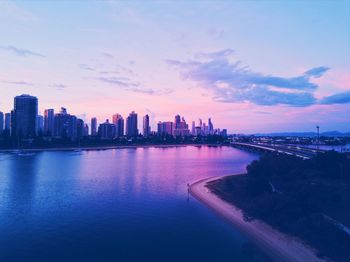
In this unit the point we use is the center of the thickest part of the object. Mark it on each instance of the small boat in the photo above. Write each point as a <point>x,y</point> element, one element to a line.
<point>23,153</point>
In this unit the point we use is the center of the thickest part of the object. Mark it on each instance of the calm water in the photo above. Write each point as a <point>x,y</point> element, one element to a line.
<point>115,205</point>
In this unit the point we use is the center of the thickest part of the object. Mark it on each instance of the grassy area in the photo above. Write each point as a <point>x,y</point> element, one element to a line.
<point>308,199</point>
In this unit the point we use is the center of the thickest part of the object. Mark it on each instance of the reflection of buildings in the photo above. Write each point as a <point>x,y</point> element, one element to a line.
<point>24,116</point>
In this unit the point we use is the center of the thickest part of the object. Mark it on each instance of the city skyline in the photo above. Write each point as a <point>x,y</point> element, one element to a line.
<point>24,121</point>
<point>183,57</point>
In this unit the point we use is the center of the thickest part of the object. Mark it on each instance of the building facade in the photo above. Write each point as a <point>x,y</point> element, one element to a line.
<point>94,126</point>
<point>65,125</point>
<point>1,122</point>
<point>146,127</point>
<point>106,130</point>
<point>131,125</point>
<point>24,116</point>
<point>49,116</point>
<point>165,128</point>
<point>118,121</point>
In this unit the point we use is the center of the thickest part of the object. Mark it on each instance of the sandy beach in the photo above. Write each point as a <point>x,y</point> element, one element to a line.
<point>277,245</point>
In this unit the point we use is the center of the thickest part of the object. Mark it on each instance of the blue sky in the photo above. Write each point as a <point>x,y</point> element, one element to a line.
<point>253,66</point>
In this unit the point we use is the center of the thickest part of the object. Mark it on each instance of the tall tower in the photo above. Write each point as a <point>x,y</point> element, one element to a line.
<point>146,127</point>
<point>24,116</point>
<point>8,122</point>
<point>49,115</point>
<point>118,121</point>
<point>39,124</point>
<point>210,127</point>
<point>177,121</point>
<point>131,125</point>
<point>1,122</point>
<point>193,130</point>
<point>94,126</point>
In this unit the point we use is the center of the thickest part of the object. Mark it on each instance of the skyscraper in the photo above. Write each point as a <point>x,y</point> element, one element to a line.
<point>210,127</point>
<point>177,121</point>
<point>49,116</point>
<point>24,116</point>
<point>1,122</point>
<point>65,125</point>
<point>165,128</point>
<point>8,122</point>
<point>106,130</point>
<point>94,126</point>
<point>118,121</point>
<point>39,125</point>
<point>193,131</point>
<point>180,127</point>
<point>131,125</point>
<point>80,128</point>
<point>146,127</point>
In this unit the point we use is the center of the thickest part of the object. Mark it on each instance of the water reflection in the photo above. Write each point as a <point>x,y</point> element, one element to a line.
<point>93,205</point>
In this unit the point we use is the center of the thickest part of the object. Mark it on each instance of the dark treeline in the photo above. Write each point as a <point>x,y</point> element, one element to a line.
<point>305,198</point>
<point>8,142</point>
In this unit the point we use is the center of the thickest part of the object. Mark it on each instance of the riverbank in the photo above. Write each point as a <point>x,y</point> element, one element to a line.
<point>89,148</point>
<point>278,245</point>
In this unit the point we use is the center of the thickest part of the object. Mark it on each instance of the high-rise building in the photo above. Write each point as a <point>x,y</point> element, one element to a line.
<point>86,130</point>
<point>180,127</point>
<point>210,127</point>
<point>8,122</point>
<point>39,125</point>
<point>65,125</point>
<point>94,126</point>
<point>223,132</point>
<point>24,116</point>
<point>177,121</point>
<point>118,121</point>
<point>80,128</point>
<point>165,128</point>
<point>49,116</point>
<point>193,130</point>
<point>131,125</point>
<point>106,130</point>
<point>146,127</point>
<point>1,122</point>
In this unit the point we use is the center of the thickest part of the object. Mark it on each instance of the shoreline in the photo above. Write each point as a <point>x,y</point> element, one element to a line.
<point>279,246</point>
<point>97,148</point>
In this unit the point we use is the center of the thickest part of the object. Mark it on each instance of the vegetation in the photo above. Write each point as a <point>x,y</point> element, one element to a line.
<point>41,142</point>
<point>304,198</point>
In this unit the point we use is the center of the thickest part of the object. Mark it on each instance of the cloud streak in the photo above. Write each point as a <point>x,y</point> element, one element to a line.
<point>128,85</point>
<point>232,82</point>
<point>20,51</point>
<point>340,98</point>
<point>22,83</point>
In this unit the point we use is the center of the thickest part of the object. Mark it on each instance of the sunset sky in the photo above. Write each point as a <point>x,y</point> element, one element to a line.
<point>252,66</point>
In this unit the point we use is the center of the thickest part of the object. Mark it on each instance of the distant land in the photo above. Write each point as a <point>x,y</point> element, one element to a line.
<point>305,134</point>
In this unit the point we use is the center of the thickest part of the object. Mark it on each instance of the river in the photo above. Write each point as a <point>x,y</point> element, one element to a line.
<point>116,205</point>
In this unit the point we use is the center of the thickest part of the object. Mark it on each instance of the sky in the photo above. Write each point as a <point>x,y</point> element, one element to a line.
<point>252,66</point>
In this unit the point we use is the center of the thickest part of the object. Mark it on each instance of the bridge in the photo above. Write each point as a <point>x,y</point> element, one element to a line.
<point>302,152</point>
